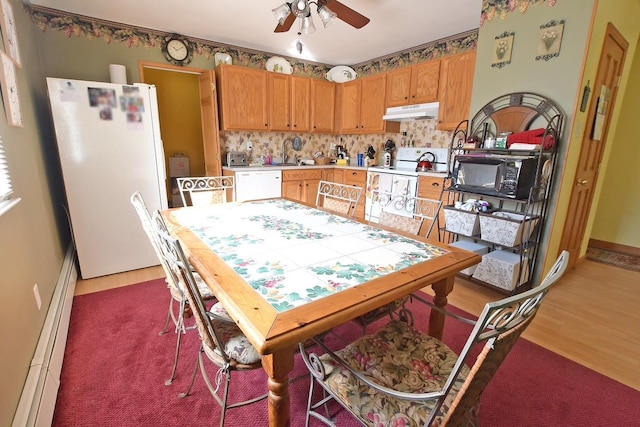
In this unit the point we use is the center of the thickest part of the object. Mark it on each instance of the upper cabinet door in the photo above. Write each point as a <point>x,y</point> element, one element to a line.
<point>279,102</point>
<point>372,103</point>
<point>323,106</point>
<point>300,104</point>
<point>349,100</point>
<point>243,98</point>
<point>456,84</point>
<point>424,82</point>
<point>398,87</point>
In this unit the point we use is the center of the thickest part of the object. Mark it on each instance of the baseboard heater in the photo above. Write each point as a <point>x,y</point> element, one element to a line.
<point>38,399</point>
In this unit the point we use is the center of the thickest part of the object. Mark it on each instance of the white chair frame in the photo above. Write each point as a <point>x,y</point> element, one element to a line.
<point>414,208</point>
<point>338,198</point>
<point>217,189</point>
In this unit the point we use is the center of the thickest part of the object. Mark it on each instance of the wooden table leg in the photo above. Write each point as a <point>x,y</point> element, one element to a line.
<point>436,319</point>
<point>278,366</point>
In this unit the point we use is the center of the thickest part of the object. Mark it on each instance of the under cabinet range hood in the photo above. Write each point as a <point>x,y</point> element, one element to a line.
<point>412,112</point>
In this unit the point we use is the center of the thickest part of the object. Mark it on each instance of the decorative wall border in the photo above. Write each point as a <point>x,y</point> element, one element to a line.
<point>492,9</point>
<point>93,28</point>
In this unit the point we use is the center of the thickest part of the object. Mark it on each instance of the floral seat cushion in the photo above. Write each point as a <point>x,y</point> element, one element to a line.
<point>383,356</point>
<point>236,345</point>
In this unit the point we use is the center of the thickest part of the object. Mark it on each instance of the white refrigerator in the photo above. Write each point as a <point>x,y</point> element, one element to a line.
<point>109,143</point>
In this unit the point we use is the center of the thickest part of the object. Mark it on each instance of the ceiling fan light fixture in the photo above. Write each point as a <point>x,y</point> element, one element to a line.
<point>306,25</point>
<point>326,15</point>
<point>281,12</point>
<point>300,8</point>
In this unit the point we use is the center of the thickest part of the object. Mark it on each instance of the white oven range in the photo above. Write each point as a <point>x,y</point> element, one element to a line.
<point>400,179</point>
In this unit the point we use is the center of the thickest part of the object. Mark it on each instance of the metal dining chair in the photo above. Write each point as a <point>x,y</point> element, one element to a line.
<point>222,342</point>
<point>176,288</point>
<point>403,376</point>
<point>206,190</point>
<point>414,215</point>
<point>338,198</point>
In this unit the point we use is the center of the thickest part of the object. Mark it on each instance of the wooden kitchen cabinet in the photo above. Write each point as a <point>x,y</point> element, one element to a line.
<point>416,84</point>
<point>289,103</point>
<point>243,98</point>
<point>362,105</point>
<point>300,104</point>
<point>430,187</point>
<point>456,84</point>
<point>323,106</point>
<point>279,101</point>
<point>301,185</point>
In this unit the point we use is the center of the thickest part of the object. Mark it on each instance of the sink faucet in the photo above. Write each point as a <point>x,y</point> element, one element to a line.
<point>284,153</point>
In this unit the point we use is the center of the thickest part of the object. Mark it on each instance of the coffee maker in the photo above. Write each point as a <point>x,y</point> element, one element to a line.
<point>389,146</point>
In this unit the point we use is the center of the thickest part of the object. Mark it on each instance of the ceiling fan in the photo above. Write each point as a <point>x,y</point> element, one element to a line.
<point>287,13</point>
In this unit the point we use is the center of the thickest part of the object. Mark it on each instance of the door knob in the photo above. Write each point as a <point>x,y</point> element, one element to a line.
<point>582,182</point>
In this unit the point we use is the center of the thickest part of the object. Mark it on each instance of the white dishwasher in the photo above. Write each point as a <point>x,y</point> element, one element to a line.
<point>258,184</point>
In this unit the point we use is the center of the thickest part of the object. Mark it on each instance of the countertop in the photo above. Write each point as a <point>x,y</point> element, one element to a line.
<point>329,166</point>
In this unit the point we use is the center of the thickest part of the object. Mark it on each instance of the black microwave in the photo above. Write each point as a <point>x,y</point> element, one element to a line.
<point>503,176</point>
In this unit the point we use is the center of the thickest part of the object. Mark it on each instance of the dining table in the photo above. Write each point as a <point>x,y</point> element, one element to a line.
<point>286,272</point>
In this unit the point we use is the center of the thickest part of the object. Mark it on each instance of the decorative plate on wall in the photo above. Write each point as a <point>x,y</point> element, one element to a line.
<point>278,64</point>
<point>221,58</point>
<point>341,74</point>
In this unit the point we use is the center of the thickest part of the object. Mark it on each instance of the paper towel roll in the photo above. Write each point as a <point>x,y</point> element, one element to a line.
<point>118,73</point>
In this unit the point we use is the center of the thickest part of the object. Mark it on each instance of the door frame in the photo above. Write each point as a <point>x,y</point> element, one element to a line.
<point>578,212</point>
<point>210,136</point>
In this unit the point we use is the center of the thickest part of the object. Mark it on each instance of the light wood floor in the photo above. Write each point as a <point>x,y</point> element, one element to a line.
<point>592,316</point>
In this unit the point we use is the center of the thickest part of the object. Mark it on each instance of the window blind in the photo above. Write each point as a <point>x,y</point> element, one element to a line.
<point>5,180</point>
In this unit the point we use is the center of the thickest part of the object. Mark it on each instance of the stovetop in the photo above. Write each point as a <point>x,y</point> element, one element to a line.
<point>405,160</point>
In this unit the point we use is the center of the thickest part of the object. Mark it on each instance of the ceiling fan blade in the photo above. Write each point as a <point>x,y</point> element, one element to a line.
<point>286,26</point>
<point>347,14</point>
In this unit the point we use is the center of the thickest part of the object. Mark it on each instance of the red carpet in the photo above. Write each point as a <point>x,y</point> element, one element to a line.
<point>116,363</point>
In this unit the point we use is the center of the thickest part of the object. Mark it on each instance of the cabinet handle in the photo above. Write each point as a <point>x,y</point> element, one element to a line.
<point>582,182</point>
<point>436,184</point>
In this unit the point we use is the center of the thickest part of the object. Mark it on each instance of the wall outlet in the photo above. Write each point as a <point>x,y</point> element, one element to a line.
<point>36,292</point>
<point>249,145</point>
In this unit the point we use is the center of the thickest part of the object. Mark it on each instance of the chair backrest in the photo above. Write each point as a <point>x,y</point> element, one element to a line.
<point>147,225</point>
<point>498,327</point>
<point>180,270</point>
<point>406,213</point>
<point>339,198</point>
<point>206,190</point>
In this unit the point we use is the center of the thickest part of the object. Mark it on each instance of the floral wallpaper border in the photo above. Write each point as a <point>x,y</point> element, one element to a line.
<point>492,9</point>
<point>92,28</point>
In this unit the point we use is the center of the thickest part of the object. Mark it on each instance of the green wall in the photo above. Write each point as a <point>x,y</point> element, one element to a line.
<point>34,232</point>
<point>557,78</point>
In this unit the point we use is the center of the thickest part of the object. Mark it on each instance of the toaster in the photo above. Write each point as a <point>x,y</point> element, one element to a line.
<point>237,158</point>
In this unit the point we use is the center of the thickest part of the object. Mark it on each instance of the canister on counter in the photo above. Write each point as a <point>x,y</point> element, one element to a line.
<point>501,140</point>
<point>360,159</point>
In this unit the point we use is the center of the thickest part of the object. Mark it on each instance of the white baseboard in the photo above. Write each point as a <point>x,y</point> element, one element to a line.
<point>38,399</point>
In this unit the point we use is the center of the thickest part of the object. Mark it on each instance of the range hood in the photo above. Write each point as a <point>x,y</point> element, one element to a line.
<point>412,112</point>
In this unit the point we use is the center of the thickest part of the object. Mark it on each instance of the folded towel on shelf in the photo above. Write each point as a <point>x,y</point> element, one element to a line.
<point>534,136</point>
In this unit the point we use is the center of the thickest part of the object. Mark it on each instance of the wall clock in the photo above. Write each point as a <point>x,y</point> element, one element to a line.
<point>177,50</point>
<point>10,90</point>
<point>9,32</point>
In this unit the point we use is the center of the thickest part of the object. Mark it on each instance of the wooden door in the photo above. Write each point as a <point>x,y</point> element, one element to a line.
<point>209,113</point>
<point>372,103</point>
<point>609,70</point>
<point>425,82</point>
<point>349,109</point>
<point>398,87</point>
<point>243,97</point>
<point>279,102</point>
<point>456,84</point>
<point>323,106</point>
<point>292,190</point>
<point>300,104</point>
